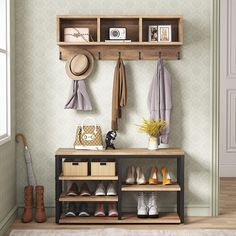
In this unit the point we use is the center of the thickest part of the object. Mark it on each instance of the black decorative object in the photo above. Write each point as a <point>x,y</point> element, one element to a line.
<point>110,137</point>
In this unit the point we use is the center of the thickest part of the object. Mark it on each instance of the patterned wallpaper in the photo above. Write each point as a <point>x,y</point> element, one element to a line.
<point>42,89</point>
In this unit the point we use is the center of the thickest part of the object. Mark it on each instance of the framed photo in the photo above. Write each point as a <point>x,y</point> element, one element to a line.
<point>164,33</point>
<point>152,33</point>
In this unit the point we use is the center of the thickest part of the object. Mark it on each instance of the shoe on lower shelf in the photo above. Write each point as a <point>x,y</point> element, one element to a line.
<point>111,189</point>
<point>83,210</point>
<point>71,209</point>
<point>130,179</point>
<point>112,209</point>
<point>99,210</point>
<point>73,190</point>
<point>142,206</point>
<point>84,190</point>
<point>100,190</point>
<point>152,205</point>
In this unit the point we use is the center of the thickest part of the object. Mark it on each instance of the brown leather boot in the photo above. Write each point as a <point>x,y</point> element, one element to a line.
<point>40,215</point>
<point>28,209</point>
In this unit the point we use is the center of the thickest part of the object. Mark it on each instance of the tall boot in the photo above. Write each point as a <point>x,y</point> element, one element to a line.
<point>40,215</point>
<point>28,209</point>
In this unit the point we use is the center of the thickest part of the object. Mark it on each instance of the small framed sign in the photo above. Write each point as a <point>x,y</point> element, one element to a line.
<point>164,33</point>
<point>152,33</point>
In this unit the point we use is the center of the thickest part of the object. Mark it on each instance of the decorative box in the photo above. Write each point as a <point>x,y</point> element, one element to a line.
<point>76,168</point>
<point>76,35</point>
<point>103,168</point>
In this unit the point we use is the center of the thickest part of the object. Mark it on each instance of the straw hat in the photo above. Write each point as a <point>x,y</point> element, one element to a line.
<point>80,66</point>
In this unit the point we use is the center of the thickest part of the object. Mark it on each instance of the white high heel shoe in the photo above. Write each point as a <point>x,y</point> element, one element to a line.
<point>140,176</point>
<point>130,175</point>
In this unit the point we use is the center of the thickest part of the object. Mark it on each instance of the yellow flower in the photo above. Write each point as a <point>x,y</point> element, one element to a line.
<point>152,127</point>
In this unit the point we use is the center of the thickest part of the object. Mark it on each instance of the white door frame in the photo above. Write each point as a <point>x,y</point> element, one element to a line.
<point>215,108</point>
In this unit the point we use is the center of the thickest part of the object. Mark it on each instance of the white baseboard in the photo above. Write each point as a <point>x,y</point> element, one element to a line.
<point>6,223</point>
<point>227,170</point>
<point>190,210</point>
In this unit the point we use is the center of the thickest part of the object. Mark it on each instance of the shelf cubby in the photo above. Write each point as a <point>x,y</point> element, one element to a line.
<point>75,22</point>
<point>131,25</point>
<point>175,22</point>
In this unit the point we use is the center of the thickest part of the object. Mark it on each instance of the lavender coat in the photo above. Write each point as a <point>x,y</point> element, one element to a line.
<point>159,98</point>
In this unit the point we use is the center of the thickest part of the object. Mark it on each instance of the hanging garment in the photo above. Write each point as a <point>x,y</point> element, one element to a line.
<point>79,99</point>
<point>159,98</point>
<point>119,96</point>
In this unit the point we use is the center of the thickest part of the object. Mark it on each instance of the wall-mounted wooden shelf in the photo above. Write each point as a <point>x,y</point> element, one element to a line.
<point>137,31</point>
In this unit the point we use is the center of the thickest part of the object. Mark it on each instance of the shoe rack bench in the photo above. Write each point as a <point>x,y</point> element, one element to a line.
<point>118,155</point>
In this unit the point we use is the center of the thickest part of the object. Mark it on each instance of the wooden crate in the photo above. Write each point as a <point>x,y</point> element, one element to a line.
<point>103,168</point>
<point>75,168</point>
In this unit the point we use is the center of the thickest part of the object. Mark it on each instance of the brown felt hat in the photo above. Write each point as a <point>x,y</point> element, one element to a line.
<point>80,66</point>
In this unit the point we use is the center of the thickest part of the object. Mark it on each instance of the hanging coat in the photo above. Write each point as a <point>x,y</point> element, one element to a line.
<point>119,96</point>
<point>159,98</point>
<point>79,98</point>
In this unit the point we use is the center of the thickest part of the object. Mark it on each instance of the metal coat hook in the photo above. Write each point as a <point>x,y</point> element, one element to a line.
<point>139,57</point>
<point>178,55</point>
<point>159,55</point>
<point>119,55</point>
<point>99,55</point>
<point>60,56</point>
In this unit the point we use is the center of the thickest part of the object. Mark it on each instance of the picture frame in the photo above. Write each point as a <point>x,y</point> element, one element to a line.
<point>152,33</point>
<point>164,33</point>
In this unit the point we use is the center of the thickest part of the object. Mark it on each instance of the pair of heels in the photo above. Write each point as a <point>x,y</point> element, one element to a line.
<point>135,176</point>
<point>166,179</point>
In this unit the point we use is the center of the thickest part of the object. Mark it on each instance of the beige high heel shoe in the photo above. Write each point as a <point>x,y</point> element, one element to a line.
<point>140,176</point>
<point>166,179</point>
<point>153,176</point>
<point>130,179</point>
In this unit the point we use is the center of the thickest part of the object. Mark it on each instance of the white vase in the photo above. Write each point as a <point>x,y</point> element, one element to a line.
<point>153,143</point>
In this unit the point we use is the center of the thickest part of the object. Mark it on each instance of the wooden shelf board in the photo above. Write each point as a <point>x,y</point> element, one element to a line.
<point>62,177</point>
<point>129,218</point>
<point>64,198</point>
<point>121,44</point>
<point>136,152</point>
<point>151,188</point>
<point>119,17</point>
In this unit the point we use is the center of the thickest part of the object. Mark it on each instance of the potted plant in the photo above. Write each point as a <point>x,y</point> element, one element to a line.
<point>153,128</point>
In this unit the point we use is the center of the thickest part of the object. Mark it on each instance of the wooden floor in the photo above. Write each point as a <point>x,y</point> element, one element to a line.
<point>227,219</point>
